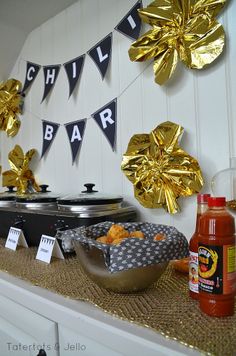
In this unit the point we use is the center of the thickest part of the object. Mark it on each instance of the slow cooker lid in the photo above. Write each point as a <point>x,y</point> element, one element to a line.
<point>89,197</point>
<point>36,198</point>
<point>9,195</point>
<point>44,196</point>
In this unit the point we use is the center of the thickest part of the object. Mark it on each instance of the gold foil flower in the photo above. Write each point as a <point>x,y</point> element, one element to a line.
<point>10,106</point>
<point>159,169</point>
<point>183,29</point>
<point>20,175</point>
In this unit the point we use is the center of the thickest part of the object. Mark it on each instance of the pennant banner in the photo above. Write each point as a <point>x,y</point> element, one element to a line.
<point>130,25</point>
<point>73,70</point>
<point>101,54</point>
<point>106,119</point>
<point>75,132</point>
<point>49,133</point>
<point>50,77</point>
<point>32,70</point>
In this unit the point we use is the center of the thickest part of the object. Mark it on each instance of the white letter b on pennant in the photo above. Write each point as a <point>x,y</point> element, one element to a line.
<point>48,133</point>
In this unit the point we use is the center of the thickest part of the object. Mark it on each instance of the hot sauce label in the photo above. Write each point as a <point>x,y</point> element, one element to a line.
<point>193,271</point>
<point>216,269</point>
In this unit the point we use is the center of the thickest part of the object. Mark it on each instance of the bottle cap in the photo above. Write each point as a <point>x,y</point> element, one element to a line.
<point>216,201</point>
<point>203,198</point>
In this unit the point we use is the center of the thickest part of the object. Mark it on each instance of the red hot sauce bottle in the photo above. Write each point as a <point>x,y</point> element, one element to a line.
<point>216,258</point>
<point>193,247</point>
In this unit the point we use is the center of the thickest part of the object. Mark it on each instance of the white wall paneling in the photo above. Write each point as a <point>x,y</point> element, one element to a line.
<point>201,101</point>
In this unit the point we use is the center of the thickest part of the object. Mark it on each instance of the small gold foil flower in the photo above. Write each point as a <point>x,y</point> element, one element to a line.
<point>159,169</point>
<point>20,175</point>
<point>10,106</point>
<point>183,29</point>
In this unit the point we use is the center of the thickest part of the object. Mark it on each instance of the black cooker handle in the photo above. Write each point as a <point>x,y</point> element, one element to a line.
<point>89,187</point>
<point>10,188</point>
<point>44,188</point>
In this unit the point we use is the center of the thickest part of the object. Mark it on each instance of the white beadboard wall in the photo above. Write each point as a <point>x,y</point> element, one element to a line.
<point>203,102</point>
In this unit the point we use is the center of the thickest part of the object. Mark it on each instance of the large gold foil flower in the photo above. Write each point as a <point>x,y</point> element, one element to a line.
<point>159,169</point>
<point>20,175</point>
<point>10,106</point>
<point>183,29</point>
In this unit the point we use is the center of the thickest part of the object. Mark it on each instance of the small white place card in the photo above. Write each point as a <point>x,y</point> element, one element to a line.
<point>48,247</point>
<point>15,238</point>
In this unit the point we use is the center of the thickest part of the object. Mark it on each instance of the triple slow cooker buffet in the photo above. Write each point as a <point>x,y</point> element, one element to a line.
<point>46,213</point>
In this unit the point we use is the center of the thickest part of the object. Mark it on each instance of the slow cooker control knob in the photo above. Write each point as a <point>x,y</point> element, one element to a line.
<point>89,187</point>
<point>18,222</point>
<point>61,225</point>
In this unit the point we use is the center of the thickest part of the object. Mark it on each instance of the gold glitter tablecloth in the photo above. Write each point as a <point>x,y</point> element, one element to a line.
<point>165,307</point>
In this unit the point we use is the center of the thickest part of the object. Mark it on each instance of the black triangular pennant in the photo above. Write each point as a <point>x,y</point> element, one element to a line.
<point>32,70</point>
<point>75,132</point>
<point>101,54</point>
<point>50,77</point>
<point>130,25</point>
<point>49,133</point>
<point>106,119</point>
<point>73,70</point>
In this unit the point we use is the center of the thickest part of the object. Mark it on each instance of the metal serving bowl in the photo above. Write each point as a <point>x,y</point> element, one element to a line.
<point>132,280</point>
<point>134,264</point>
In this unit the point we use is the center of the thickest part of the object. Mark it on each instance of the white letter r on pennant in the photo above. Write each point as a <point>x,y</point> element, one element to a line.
<point>105,116</point>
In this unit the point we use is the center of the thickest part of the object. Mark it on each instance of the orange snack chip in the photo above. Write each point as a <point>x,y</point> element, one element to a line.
<point>117,232</point>
<point>181,265</point>
<point>103,239</point>
<point>138,234</point>
<point>159,237</point>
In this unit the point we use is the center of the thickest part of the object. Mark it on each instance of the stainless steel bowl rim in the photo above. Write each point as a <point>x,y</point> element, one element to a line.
<point>36,205</point>
<point>7,203</point>
<point>89,208</point>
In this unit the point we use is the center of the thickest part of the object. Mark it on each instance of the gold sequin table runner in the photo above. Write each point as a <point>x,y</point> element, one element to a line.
<point>165,307</point>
